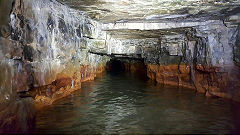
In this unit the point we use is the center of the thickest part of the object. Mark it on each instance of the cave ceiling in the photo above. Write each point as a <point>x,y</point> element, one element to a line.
<point>142,34</point>
<point>124,10</point>
<point>153,11</point>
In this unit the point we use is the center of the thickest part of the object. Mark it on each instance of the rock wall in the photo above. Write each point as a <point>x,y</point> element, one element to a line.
<point>203,57</point>
<point>236,48</point>
<point>45,56</point>
<point>47,52</point>
<point>5,9</point>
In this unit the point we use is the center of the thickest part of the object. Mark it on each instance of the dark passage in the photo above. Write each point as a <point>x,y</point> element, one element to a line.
<point>115,66</point>
<point>125,65</point>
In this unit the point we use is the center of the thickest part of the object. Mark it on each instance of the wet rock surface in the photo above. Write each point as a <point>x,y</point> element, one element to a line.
<point>47,45</point>
<point>54,42</point>
<point>45,57</point>
<point>198,55</point>
<point>48,49</point>
<point>17,117</point>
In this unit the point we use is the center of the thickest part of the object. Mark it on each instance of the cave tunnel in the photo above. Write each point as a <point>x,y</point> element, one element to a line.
<point>116,66</point>
<point>119,67</point>
<point>135,67</point>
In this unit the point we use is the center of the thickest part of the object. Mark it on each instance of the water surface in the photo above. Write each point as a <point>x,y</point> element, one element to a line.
<point>122,103</point>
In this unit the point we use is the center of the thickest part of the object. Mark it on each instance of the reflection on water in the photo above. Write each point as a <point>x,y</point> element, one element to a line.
<point>122,103</point>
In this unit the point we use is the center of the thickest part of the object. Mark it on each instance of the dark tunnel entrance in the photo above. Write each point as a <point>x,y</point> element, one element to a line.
<point>115,66</point>
<point>122,65</point>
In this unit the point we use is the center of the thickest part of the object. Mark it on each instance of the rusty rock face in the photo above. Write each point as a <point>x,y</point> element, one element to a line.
<point>49,45</point>
<point>44,55</point>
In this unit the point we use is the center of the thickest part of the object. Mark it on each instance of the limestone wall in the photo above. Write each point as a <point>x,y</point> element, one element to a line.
<point>49,42</point>
<point>203,57</point>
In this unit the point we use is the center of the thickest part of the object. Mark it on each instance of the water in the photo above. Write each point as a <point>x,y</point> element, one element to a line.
<point>122,103</point>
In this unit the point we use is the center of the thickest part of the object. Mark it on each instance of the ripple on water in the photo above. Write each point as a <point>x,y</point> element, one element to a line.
<point>125,104</point>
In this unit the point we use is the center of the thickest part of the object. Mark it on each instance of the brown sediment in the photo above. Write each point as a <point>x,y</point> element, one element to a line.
<point>63,86</point>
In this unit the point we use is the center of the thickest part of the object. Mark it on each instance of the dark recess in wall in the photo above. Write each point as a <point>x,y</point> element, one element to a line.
<point>115,66</point>
<point>135,67</point>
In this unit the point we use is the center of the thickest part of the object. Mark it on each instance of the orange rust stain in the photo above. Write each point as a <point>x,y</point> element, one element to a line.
<point>64,85</point>
<point>213,81</point>
<point>177,75</point>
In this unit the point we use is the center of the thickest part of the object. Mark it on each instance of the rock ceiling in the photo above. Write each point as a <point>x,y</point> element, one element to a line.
<point>169,16</point>
<point>122,10</point>
<point>140,34</point>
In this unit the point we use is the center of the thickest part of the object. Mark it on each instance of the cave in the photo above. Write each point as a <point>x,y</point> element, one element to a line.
<point>119,67</point>
<point>116,66</point>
